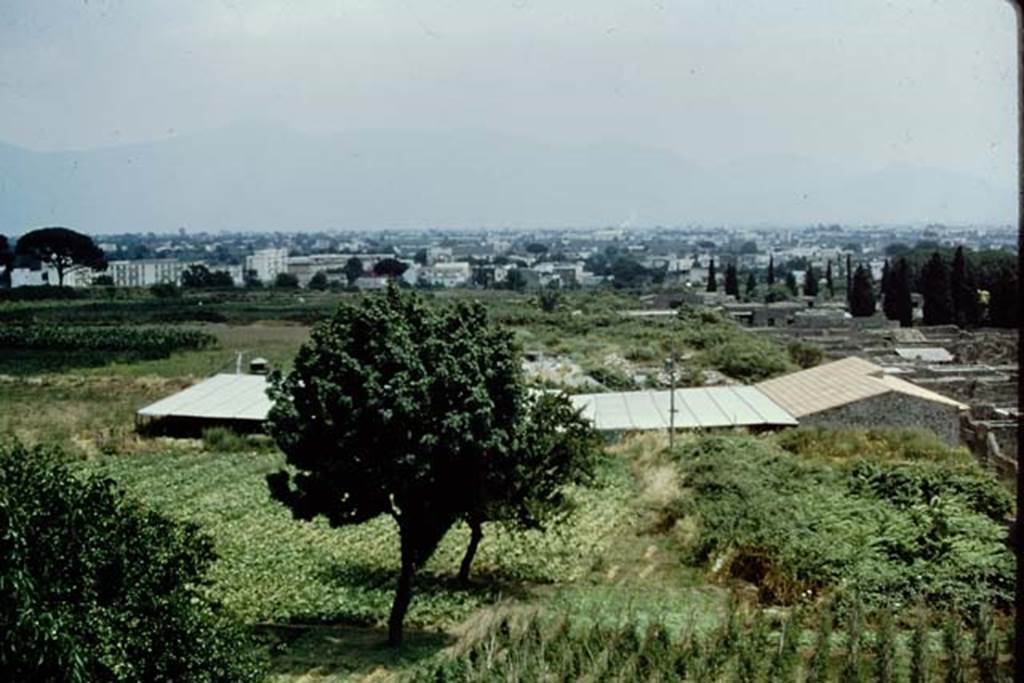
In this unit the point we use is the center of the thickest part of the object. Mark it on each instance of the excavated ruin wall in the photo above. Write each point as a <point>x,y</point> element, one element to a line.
<point>892,410</point>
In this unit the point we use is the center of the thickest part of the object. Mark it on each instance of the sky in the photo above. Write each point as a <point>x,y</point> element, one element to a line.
<point>870,83</point>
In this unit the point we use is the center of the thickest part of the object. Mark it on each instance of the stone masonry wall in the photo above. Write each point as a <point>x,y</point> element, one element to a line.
<point>892,410</point>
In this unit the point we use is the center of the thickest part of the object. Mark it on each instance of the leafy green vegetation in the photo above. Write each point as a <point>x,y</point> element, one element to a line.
<point>890,530</point>
<point>94,587</point>
<point>271,569</point>
<point>155,342</point>
<point>746,645</point>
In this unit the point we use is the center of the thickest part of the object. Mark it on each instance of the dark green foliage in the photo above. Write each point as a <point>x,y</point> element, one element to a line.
<point>141,342</point>
<point>390,267</point>
<point>318,281</point>
<point>751,287</point>
<point>165,290</point>
<point>421,412</point>
<point>791,284</point>
<point>862,296</point>
<point>549,299</point>
<point>732,280</point>
<point>286,281</point>
<point>897,299</point>
<point>354,269</point>
<point>810,281</point>
<point>938,302</point>
<point>42,293</point>
<point>712,277</point>
<point>777,293</point>
<point>853,660</point>
<point>890,531</point>
<point>786,656</point>
<point>198,276</point>
<point>95,588</point>
<point>829,284</point>
<point>963,292</point>
<point>770,279</point>
<point>6,260</point>
<point>65,250</point>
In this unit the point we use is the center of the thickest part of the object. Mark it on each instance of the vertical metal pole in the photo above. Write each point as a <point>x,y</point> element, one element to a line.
<point>672,400</point>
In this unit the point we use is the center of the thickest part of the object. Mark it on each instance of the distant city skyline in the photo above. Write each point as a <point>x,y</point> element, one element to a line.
<point>377,115</point>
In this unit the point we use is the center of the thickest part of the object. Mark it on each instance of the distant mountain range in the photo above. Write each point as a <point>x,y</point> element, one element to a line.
<point>263,177</point>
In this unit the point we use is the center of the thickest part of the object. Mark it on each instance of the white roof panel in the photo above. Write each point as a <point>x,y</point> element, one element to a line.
<point>699,407</point>
<point>221,397</point>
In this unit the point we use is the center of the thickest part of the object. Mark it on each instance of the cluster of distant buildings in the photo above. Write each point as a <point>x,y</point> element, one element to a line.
<point>442,260</point>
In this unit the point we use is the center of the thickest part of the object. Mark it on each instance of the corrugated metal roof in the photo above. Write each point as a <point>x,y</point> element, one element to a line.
<point>930,354</point>
<point>838,383</point>
<point>221,397</point>
<point>704,407</point>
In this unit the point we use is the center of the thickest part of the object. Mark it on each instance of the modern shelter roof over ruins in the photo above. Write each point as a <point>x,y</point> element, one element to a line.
<point>696,408</point>
<point>838,383</point>
<point>221,397</point>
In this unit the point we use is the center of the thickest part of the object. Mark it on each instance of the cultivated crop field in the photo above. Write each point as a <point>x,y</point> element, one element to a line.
<point>275,569</point>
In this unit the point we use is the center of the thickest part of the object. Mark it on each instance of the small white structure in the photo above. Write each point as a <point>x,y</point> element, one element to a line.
<point>928,354</point>
<point>218,399</point>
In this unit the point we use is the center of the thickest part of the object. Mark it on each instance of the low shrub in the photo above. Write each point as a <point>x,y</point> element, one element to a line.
<point>804,354</point>
<point>893,532</point>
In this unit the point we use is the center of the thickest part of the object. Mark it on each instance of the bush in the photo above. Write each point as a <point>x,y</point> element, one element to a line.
<point>94,587</point>
<point>890,531</point>
<point>41,293</point>
<point>749,359</point>
<point>805,355</point>
<point>165,290</point>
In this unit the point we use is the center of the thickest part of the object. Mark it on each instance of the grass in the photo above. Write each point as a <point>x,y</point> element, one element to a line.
<point>273,568</point>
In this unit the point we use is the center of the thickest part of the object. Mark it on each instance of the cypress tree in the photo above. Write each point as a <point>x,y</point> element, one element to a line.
<point>791,283</point>
<point>732,281</point>
<point>810,282</point>
<point>712,279</point>
<point>938,304</point>
<point>771,269</point>
<point>898,298</point>
<point>886,291</point>
<point>849,278</point>
<point>964,292</point>
<point>828,279</point>
<point>751,285</point>
<point>862,295</point>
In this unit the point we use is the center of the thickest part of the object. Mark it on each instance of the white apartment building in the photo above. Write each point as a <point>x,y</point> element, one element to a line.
<point>453,274</point>
<point>146,272</point>
<point>267,263</point>
<point>46,275</point>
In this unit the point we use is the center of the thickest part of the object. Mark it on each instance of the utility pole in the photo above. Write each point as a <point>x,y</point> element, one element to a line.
<point>670,367</point>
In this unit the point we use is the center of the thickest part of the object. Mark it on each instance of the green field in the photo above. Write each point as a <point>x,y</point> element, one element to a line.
<point>640,547</point>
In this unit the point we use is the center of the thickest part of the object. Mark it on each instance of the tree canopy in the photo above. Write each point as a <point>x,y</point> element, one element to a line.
<point>65,250</point>
<point>862,294</point>
<point>420,412</point>
<point>198,276</point>
<point>899,305</point>
<point>810,281</point>
<point>354,269</point>
<point>712,278</point>
<point>6,260</point>
<point>938,303</point>
<point>95,588</point>
<point>732,280</point>
<point>390,267</point>
<point>963,292</point>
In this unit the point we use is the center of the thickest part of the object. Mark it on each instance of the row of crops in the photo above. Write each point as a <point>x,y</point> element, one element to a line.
<point>140,342</point>
<point>273,568</point>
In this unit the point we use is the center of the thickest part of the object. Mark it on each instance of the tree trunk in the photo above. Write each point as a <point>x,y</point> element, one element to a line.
<point>420,533</point>
<point>476,535</point>
<point>403,595</point>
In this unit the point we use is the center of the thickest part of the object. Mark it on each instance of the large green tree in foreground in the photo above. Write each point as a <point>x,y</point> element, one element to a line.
<point>95,588</point>
<point>65,250</point>
<point>401,408</point>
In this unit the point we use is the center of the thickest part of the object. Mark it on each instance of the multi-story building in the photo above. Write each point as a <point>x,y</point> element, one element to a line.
<point>266,264</point>
<point>146,272</point>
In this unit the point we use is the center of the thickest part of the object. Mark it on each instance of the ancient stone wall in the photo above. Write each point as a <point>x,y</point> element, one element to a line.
<point>893,410</point>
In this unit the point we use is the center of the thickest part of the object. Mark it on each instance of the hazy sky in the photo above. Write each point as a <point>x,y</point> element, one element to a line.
<point>924,82</point>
